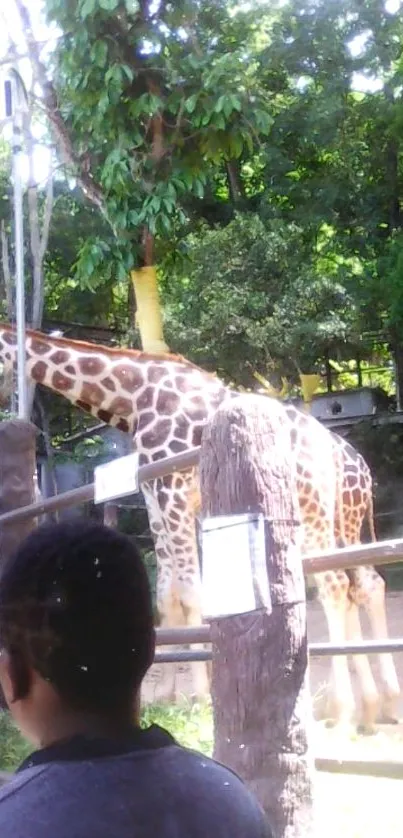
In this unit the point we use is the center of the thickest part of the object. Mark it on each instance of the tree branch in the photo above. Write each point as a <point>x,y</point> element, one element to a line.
<point>50,103</point>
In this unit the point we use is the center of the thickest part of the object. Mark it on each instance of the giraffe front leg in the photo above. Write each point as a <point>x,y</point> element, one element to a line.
<point>171,616</point>
<point>189,588</point>
<point>333,594</point>
<point>181,530</point>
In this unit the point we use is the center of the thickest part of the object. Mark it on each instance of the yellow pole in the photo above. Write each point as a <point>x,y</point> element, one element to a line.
<point>148,316</point>
<point>309,385</point>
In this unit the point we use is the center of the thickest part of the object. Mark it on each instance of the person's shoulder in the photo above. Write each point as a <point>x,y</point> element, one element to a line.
<point>226,793</point>
<point>15,782</point>
<point>20,788</point>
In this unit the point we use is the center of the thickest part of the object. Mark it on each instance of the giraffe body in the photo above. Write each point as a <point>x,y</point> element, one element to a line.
<point>164,402</point>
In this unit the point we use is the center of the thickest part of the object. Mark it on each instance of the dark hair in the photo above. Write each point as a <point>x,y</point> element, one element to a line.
<point>75,605</point>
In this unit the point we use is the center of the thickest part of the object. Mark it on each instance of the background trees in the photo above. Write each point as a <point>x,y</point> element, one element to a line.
<point>252,154</point>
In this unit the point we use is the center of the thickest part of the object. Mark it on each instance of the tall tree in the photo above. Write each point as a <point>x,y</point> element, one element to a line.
<point>146,99</point>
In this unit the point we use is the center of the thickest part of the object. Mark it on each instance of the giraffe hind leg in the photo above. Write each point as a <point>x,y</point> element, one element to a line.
<point>374,602</point>
<point>333,594</point>
<point>369,692</point>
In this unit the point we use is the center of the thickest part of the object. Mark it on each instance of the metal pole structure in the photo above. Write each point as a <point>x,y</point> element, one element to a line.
<point>14,93</point>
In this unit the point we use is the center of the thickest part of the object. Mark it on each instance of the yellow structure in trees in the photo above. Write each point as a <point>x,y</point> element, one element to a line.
<point>148,315</point>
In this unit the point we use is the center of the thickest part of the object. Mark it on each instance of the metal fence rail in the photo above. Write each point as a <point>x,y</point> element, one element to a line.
<point>378,553</point>
<point>315,650</point>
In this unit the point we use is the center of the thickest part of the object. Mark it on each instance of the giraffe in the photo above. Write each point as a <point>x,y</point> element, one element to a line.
<point>164,402</point>
<point>367,586</point>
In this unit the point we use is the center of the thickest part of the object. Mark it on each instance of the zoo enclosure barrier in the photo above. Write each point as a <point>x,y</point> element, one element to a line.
<point>376,553</point>
<point>379,553</point>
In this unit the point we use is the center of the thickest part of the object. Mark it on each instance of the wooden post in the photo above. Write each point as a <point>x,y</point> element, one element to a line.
<point>111,515</point>
<point>17,469</point>
<point>261,701</point>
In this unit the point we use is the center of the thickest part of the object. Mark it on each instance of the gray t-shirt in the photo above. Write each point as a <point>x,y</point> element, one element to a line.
<point>144,787</point>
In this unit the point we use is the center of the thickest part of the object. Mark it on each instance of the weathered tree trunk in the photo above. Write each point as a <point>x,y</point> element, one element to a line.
<point>262,708</point>
<point>17,469</point>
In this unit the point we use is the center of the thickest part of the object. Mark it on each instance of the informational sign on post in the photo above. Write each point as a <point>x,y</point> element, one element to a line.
<point>233,563</point>
<point>117,478</point>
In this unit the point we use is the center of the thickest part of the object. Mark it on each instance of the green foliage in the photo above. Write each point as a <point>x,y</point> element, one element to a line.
<point>172,92</point>
<point>13,748</point>
<point>190,724</point>
<point>250,296</point>
<point>240,137</point>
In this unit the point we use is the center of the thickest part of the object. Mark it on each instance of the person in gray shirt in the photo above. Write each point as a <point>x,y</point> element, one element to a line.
<point>76,640</point>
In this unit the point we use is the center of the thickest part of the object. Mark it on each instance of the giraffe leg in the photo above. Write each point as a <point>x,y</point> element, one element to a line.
<point>188,583</point>
<point>369,692</point>
<point>181,530</point>
<point>375,606</point>
<point>334,599</point>
<point>171,616</point>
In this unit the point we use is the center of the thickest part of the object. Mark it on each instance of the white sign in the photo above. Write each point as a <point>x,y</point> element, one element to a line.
<point>234,571</point>
<point>117,478</point>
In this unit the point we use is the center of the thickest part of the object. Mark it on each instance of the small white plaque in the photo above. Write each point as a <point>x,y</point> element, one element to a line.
<point>117,478</point>
<point>234,574</point>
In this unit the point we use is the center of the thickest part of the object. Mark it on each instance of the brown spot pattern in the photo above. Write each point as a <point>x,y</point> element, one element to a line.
<point>10,339</point>
<point>83,405</point>
<point>167,403</point>
<point>155,373</point>
<point>182,384</point>
<point>38,371</point>
<point>109,384</point>
<point>180,503</point>
<point>104,416</point>
<point>60,356</point>
<point>39,347</point>
<point>61,382</point>
<point>356,493</point>
<point>121,406</point>
<point>91,393</point>
<point>70,369</point>
<point>145,400</point>
<point>91,365</point>
<point>157,434</point>
<point>181,429</point>
<point>197,434</point>
<point>123,425</point>
<point>129,377</point>
<point>163,499</point>
<point>145,419</point>
<point>176,447</point>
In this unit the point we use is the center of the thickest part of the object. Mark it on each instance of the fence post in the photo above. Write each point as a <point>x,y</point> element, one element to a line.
<point>261,701</point>
<point>17,469</point>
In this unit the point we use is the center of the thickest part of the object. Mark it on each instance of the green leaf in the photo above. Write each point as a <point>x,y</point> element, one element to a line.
<point>99,53</point>
<point>128,71</point>
<point>220,104</point>
<point>109,5</point>
<point>87,8</point>
<point>190,104</point>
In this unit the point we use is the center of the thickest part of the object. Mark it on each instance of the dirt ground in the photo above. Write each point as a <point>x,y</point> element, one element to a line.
<point>320,667</point>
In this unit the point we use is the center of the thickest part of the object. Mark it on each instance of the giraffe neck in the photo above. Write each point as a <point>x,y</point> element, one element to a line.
<point>156,394</point>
